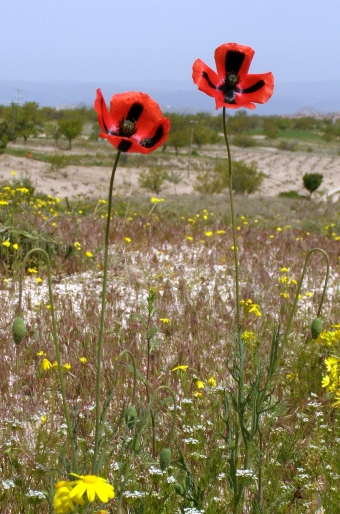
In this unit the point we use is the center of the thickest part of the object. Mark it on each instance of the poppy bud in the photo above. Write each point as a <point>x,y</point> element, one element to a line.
<point>165,458</point>
<point>316,328</point>
<point>179,488</point>
<point>18,330</point>
<point>130,417</point>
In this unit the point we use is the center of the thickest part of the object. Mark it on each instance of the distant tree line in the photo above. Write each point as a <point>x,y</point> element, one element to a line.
<point>30,120</point>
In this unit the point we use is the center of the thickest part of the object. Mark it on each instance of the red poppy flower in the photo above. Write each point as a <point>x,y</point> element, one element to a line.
<point>134,123</point>
<point>232,86</point>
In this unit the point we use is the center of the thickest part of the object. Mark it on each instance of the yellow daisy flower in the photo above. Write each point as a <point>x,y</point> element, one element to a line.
<point>62,503</point>
<point>180,368</point>
<point>93,486</point>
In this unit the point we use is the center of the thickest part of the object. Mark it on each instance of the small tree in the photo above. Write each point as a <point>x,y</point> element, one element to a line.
<point>70,128</point>
<point>311,181</point>
<point>3,136</point>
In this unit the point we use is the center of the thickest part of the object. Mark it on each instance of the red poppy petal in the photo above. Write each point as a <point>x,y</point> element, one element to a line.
<point>256,88</point>
<point>104,118</point>
<point>220,102</point>
<point>205,78</point>
<point>232,57</point>
<point>120,105</point>
<point>154,138</point>
<point>144,143</point>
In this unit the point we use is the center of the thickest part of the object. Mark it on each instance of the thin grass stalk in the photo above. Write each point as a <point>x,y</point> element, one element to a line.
<point>56,347</point>
<point>230,187</point>
<point>102,319</point>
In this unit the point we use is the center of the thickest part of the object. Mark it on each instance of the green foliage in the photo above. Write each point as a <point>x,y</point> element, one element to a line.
<point>289,194</point>
<point>70,128</point>
<point>153,179</point>
<point>57,162</point>
<point>243,141</point>
<point>312,181</point>
<point>246,179</point>
<point>210,181</point>
<point>287,145</point>
<point>4,132</point>
<point>242,123</point>
<point>270,128</point>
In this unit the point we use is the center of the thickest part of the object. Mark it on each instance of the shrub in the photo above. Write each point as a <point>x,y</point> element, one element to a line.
<point>311,181</point>
<point>57,162</point>
<point>246,179</point>
<point>289,194</point>
<point>244,141</point>
<point>285,145</point>
<point>153,179</point>
<point>210,181</point>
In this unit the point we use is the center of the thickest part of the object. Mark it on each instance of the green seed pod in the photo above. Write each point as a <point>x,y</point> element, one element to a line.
<point>179,488</point>
<point>130,417</point>
<point>316,328</point>
<point>165,458</point>
<point>18,330</point>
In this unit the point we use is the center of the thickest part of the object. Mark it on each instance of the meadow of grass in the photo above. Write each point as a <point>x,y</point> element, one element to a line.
<point>171,303</point>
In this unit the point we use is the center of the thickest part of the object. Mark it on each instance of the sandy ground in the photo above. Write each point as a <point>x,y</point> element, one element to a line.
<point>284,171</point>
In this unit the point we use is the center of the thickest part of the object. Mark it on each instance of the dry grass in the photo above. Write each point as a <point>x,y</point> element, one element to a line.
<point>184,253</point>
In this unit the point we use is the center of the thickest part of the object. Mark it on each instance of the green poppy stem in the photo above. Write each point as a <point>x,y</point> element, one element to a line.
<point>230,187</point>
<point>292,314</point>
<point>102,319</point>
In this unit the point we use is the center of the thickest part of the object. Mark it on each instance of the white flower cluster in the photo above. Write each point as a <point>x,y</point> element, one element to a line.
<point>244,473</point>
<point>7,484</point>
<point>156,471</point>
<point>134,494</point>
<point>191,441</point>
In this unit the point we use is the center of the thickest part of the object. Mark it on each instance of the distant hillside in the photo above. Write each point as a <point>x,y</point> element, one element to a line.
<point>175,97</point>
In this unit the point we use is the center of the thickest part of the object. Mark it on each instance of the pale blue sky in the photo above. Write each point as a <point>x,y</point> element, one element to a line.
<point>139,41</point>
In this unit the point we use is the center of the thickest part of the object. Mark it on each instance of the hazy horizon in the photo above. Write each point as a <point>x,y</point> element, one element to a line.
<point>107,41</point>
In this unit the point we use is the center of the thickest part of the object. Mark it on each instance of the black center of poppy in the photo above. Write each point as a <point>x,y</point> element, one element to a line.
<point>127,124</point>
<point>231,79</point>
<point>127,128</point>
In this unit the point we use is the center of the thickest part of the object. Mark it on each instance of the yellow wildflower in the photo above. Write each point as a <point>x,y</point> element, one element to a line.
<point>93,486</point>
<point>45,365</point>
<point>156,200</point>
<point>61,502</point>
<point>212,382</point>
<point>200,384</point>
<point>180,368</point>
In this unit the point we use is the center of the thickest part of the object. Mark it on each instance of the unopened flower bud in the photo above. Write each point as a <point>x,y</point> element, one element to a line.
<point>316,328</point>
<point>130,417</point>
<point>18,330</point>
<point>165,458</point>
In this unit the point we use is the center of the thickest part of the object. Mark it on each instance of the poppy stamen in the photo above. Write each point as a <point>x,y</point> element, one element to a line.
<point>127,128</point>
<point>232,79</point>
